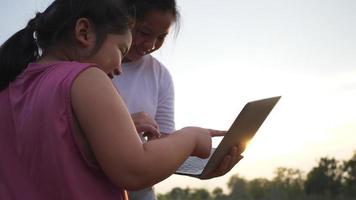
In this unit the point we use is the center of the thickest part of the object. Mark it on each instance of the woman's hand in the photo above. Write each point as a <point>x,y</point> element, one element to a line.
<point>146,125</point>
<point>229,161</point>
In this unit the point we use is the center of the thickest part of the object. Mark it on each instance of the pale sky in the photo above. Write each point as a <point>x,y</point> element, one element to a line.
<point>229,52</point>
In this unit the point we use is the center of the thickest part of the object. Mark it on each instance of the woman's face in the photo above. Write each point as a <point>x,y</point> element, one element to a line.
<point>148,35</point>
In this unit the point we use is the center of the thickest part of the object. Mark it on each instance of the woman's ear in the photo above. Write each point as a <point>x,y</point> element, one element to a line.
<point>84,33</point>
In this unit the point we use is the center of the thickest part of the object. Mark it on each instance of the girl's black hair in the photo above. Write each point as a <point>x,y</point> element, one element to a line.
<point>55,26</point>
<point>144,6</point>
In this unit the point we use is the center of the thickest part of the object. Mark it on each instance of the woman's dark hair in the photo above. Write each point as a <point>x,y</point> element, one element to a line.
<point>56,26</point>
<point>144,6</point>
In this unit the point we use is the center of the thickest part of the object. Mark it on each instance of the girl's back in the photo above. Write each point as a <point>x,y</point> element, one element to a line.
<point>42,160</point>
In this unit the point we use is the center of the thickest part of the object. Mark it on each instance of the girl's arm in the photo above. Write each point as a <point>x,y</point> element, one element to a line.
<point>106,123</point>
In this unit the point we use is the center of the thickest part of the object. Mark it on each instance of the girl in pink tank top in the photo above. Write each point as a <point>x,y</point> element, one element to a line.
<point>65,132</point>
<point>42,151</point>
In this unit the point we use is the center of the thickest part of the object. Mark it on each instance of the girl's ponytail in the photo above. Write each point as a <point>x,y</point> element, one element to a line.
<point>17,52</point>
<point>54,27</point>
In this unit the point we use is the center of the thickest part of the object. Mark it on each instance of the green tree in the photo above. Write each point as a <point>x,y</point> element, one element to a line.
<point>218,194</point>
<point>325,179</point>
<point>163,197</point>
<point>175,194</point>
<point>238,188</point>
<point>200,194</point>
<point>329,180</point>
<point>288,183</point>
<point>349,168</point>
<point>258,188</point>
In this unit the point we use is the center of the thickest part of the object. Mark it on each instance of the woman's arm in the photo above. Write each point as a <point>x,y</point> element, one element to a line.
<point>112,136</point>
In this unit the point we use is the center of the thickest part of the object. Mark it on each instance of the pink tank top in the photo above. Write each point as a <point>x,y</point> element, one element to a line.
<point>39,158</point>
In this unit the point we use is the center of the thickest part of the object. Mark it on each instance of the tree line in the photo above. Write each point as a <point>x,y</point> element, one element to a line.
<point>331,179</point>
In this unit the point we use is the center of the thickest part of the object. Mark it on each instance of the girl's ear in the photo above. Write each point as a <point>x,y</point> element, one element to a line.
<point>84,33</point>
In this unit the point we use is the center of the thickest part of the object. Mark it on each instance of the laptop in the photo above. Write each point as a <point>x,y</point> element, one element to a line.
<point>241,131</point>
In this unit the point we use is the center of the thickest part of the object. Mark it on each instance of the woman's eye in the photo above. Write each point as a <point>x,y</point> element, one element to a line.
<point>161,38</point>
<point>144,33</point>
<point>123,52</point>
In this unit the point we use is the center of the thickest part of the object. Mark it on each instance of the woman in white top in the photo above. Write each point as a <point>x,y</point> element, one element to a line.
<point>146,85</point>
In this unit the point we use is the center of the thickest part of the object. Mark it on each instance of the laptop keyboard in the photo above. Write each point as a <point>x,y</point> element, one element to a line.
<point>194,165</point>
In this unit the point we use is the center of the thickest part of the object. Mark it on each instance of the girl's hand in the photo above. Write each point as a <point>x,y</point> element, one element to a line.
<point>203,140</point>
<point>215,133</point>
